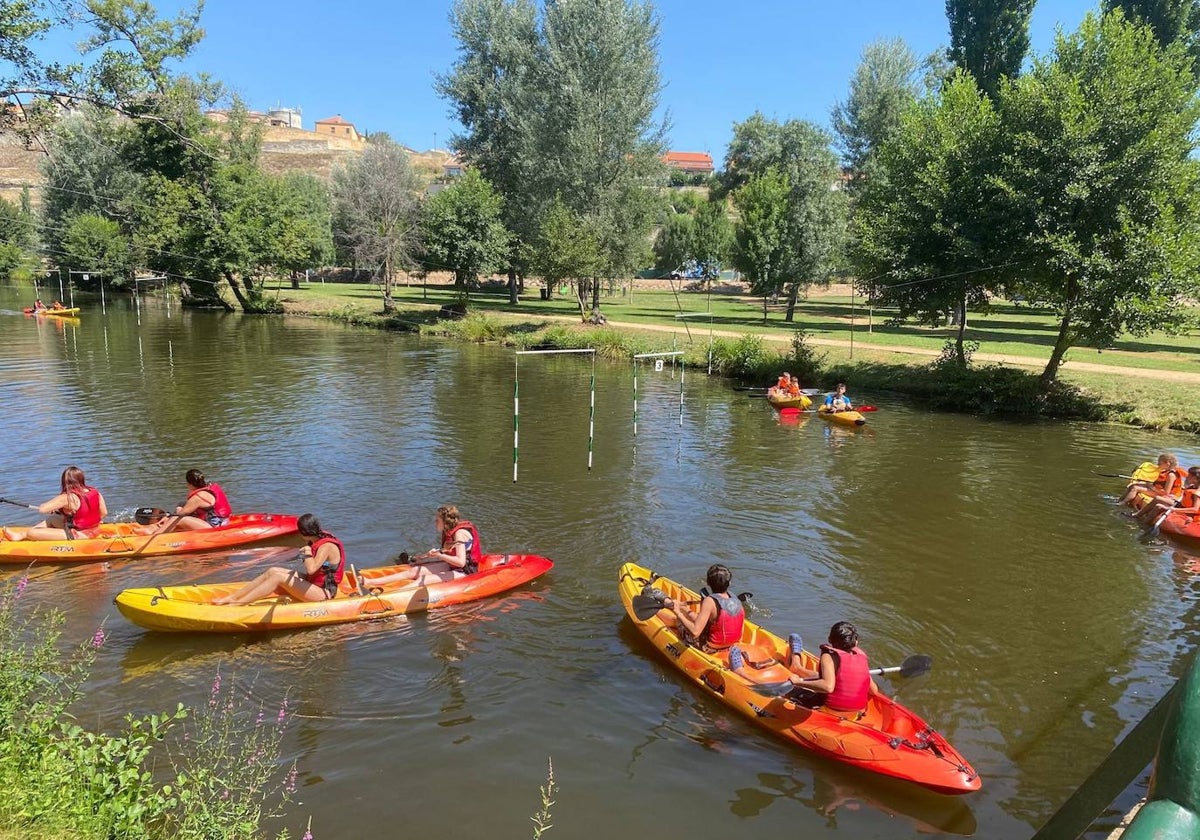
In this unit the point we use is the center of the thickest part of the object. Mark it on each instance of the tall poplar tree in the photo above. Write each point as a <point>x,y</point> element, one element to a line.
<point>989,38</point>
<point>1172,21</point>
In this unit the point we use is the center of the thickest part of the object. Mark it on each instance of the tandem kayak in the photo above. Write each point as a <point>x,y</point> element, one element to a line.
<point>119,540</point>
<point>190,608</point>
<point>72,312</point>
<point>887,738</point>
<point>1182,527</point>
<point>781,401</point>
<point>841,418</point>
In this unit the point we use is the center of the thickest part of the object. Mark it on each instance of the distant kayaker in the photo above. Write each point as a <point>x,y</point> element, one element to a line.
<point>1168,483</point>
<point>458,556</point>
<point>324,565</point>
<point>205,507</point>
<point>57,305</point>
<point>38,306</point>
<point>75,512</point>
<point>718,623</point>
<point>786,386</point>
<point>839,400</point>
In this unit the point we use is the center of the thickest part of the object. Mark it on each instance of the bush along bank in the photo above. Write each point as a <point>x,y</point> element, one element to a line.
<point>211,773</point>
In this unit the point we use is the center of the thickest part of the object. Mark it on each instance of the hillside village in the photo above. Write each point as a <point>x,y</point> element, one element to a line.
<point>287,146</point>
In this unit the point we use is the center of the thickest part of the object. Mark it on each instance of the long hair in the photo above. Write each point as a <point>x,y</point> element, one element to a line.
<point>196,479</point>
<point>309,526</point>
<point>73,478</point>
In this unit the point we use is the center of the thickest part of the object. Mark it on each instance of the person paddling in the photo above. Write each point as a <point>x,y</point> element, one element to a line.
<point>839,400</point>
<point>1169,481</point>
<point>459,555</point>
<point>76,512</point>
<point>324,565</point>
<point>206,507</point>
<point>1188,502</point>
<point>718,623</point>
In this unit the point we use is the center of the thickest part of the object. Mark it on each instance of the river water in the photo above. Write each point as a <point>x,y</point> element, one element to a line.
<point>991,546</point>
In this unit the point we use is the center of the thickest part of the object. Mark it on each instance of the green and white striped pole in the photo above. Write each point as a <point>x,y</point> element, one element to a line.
<point>517,401</point>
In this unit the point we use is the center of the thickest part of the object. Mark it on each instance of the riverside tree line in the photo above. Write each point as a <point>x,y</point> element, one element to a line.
<point>1067,179</point>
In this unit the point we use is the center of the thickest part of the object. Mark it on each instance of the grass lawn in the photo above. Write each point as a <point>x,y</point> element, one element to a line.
<point>1007,329</point>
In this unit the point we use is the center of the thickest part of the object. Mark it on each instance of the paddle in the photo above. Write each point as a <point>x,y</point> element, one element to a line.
<point>913,666</point>
<point>18,504</point>
<point>1153,532</point>
<point>1111,475</point>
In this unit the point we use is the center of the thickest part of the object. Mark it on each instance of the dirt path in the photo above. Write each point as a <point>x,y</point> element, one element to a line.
<point>998,358</point>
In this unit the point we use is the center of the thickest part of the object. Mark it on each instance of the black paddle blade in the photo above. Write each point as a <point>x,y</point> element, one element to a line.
<point>646,607</point>
<point>148,515</point>
<point>778,689</point>
<point>915,665</point>
<point>401,559</point>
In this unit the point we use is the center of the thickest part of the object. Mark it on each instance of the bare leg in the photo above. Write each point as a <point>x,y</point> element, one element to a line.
<point>271,581</point>
<point>408,575</point>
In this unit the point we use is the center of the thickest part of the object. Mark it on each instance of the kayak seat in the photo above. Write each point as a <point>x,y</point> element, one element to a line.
<point>756,657</point>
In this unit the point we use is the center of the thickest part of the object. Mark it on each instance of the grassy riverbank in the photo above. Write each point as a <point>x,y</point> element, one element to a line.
<point>1150,382</point>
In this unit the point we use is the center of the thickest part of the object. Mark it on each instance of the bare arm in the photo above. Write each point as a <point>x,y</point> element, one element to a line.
<point>67,501</point>
<point>203,499</point>
<point>457,556</point>
<point>695,622</point>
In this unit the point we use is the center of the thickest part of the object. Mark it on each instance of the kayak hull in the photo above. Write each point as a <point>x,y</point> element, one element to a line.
<point>72,312</point>
<point>801,402</point>
<point>190,608</point>
<point>1182,527</point>
<point>841,418</point>
<point>888,739</point>
<point>119,540</point>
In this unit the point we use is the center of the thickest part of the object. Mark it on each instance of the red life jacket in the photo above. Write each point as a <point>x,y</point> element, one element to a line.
<point>474,549</point>
<point>725,629</point>
<point>88,514</point>
<point>853,684</point>
<point>220,506</point>
<point>319,577</point>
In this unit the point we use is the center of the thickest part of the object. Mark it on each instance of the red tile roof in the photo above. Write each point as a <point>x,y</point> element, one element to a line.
<point>691,161</point>
<point>335,120</point>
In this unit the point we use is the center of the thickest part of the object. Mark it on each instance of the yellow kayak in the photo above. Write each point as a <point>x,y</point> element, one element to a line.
<point>841,418</point>
<point>787,401</point>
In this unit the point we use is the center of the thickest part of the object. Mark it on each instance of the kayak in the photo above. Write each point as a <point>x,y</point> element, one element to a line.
<point>119,540</point>
<point>782,401</point>
<point>1183,527</point>
<point>73,312</point>
<point>887,738</point>
<point>190,608</point>
<point>841,418</point>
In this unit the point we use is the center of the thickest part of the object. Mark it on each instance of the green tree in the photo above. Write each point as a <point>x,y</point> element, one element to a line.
<point>713,239</point>
<point>924,236</point>
<point>673,243</point>
<point>989,38</point>
<point>463,230</point>
<point>377,213</point>
<point>762,247</point>
<point>96,245</point>
<point>568,249</point>
<point>1100,184</point>
<point>493,90</point>
<point>1172,21</point>
<point>754,148</point>
<point>300,233</point>
<point>883,86</point>
<point>17,239</point>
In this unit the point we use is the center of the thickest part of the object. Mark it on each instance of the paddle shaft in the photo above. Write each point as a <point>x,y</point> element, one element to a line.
<point>15,503</point>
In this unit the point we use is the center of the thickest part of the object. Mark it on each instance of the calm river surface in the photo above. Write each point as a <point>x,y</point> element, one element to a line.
<point>991,546</point>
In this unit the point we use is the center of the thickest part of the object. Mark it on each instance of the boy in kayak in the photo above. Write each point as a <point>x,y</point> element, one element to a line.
<point>74,513</point>
<point>718,623</point>
<point>839,400</point>
<point>324,564</point>
<point>785,387</point>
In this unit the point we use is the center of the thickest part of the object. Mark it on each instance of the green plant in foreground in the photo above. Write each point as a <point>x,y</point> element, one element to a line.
<point>541,820</point>
<point>182,775</point>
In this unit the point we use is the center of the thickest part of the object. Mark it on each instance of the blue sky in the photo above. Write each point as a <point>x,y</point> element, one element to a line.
<point>374,61</point>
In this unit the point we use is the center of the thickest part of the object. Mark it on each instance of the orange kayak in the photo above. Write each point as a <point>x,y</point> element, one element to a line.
<point>190,608</point>
<point>887,738</point>
<point>841,418</point>
<point>119,540</point>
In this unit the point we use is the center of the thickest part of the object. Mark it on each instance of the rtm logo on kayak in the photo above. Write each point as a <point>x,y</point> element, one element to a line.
<point>62,549</point>
<point>315,613</point>
<point>674,651</point>
<point>761,712</point>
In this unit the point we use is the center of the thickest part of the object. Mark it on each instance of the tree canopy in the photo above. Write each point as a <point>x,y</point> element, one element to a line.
<point>989,38</point>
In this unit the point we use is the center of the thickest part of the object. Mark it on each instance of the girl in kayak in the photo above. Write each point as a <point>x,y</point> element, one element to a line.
<point>718,623</point>
<point>75,512</point>
<point>1188,502</point>
<point>324,564</point>
<point>205,507</point>
<point>1168,483</point>
<point>839,400</point>
<point>458,557</point>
